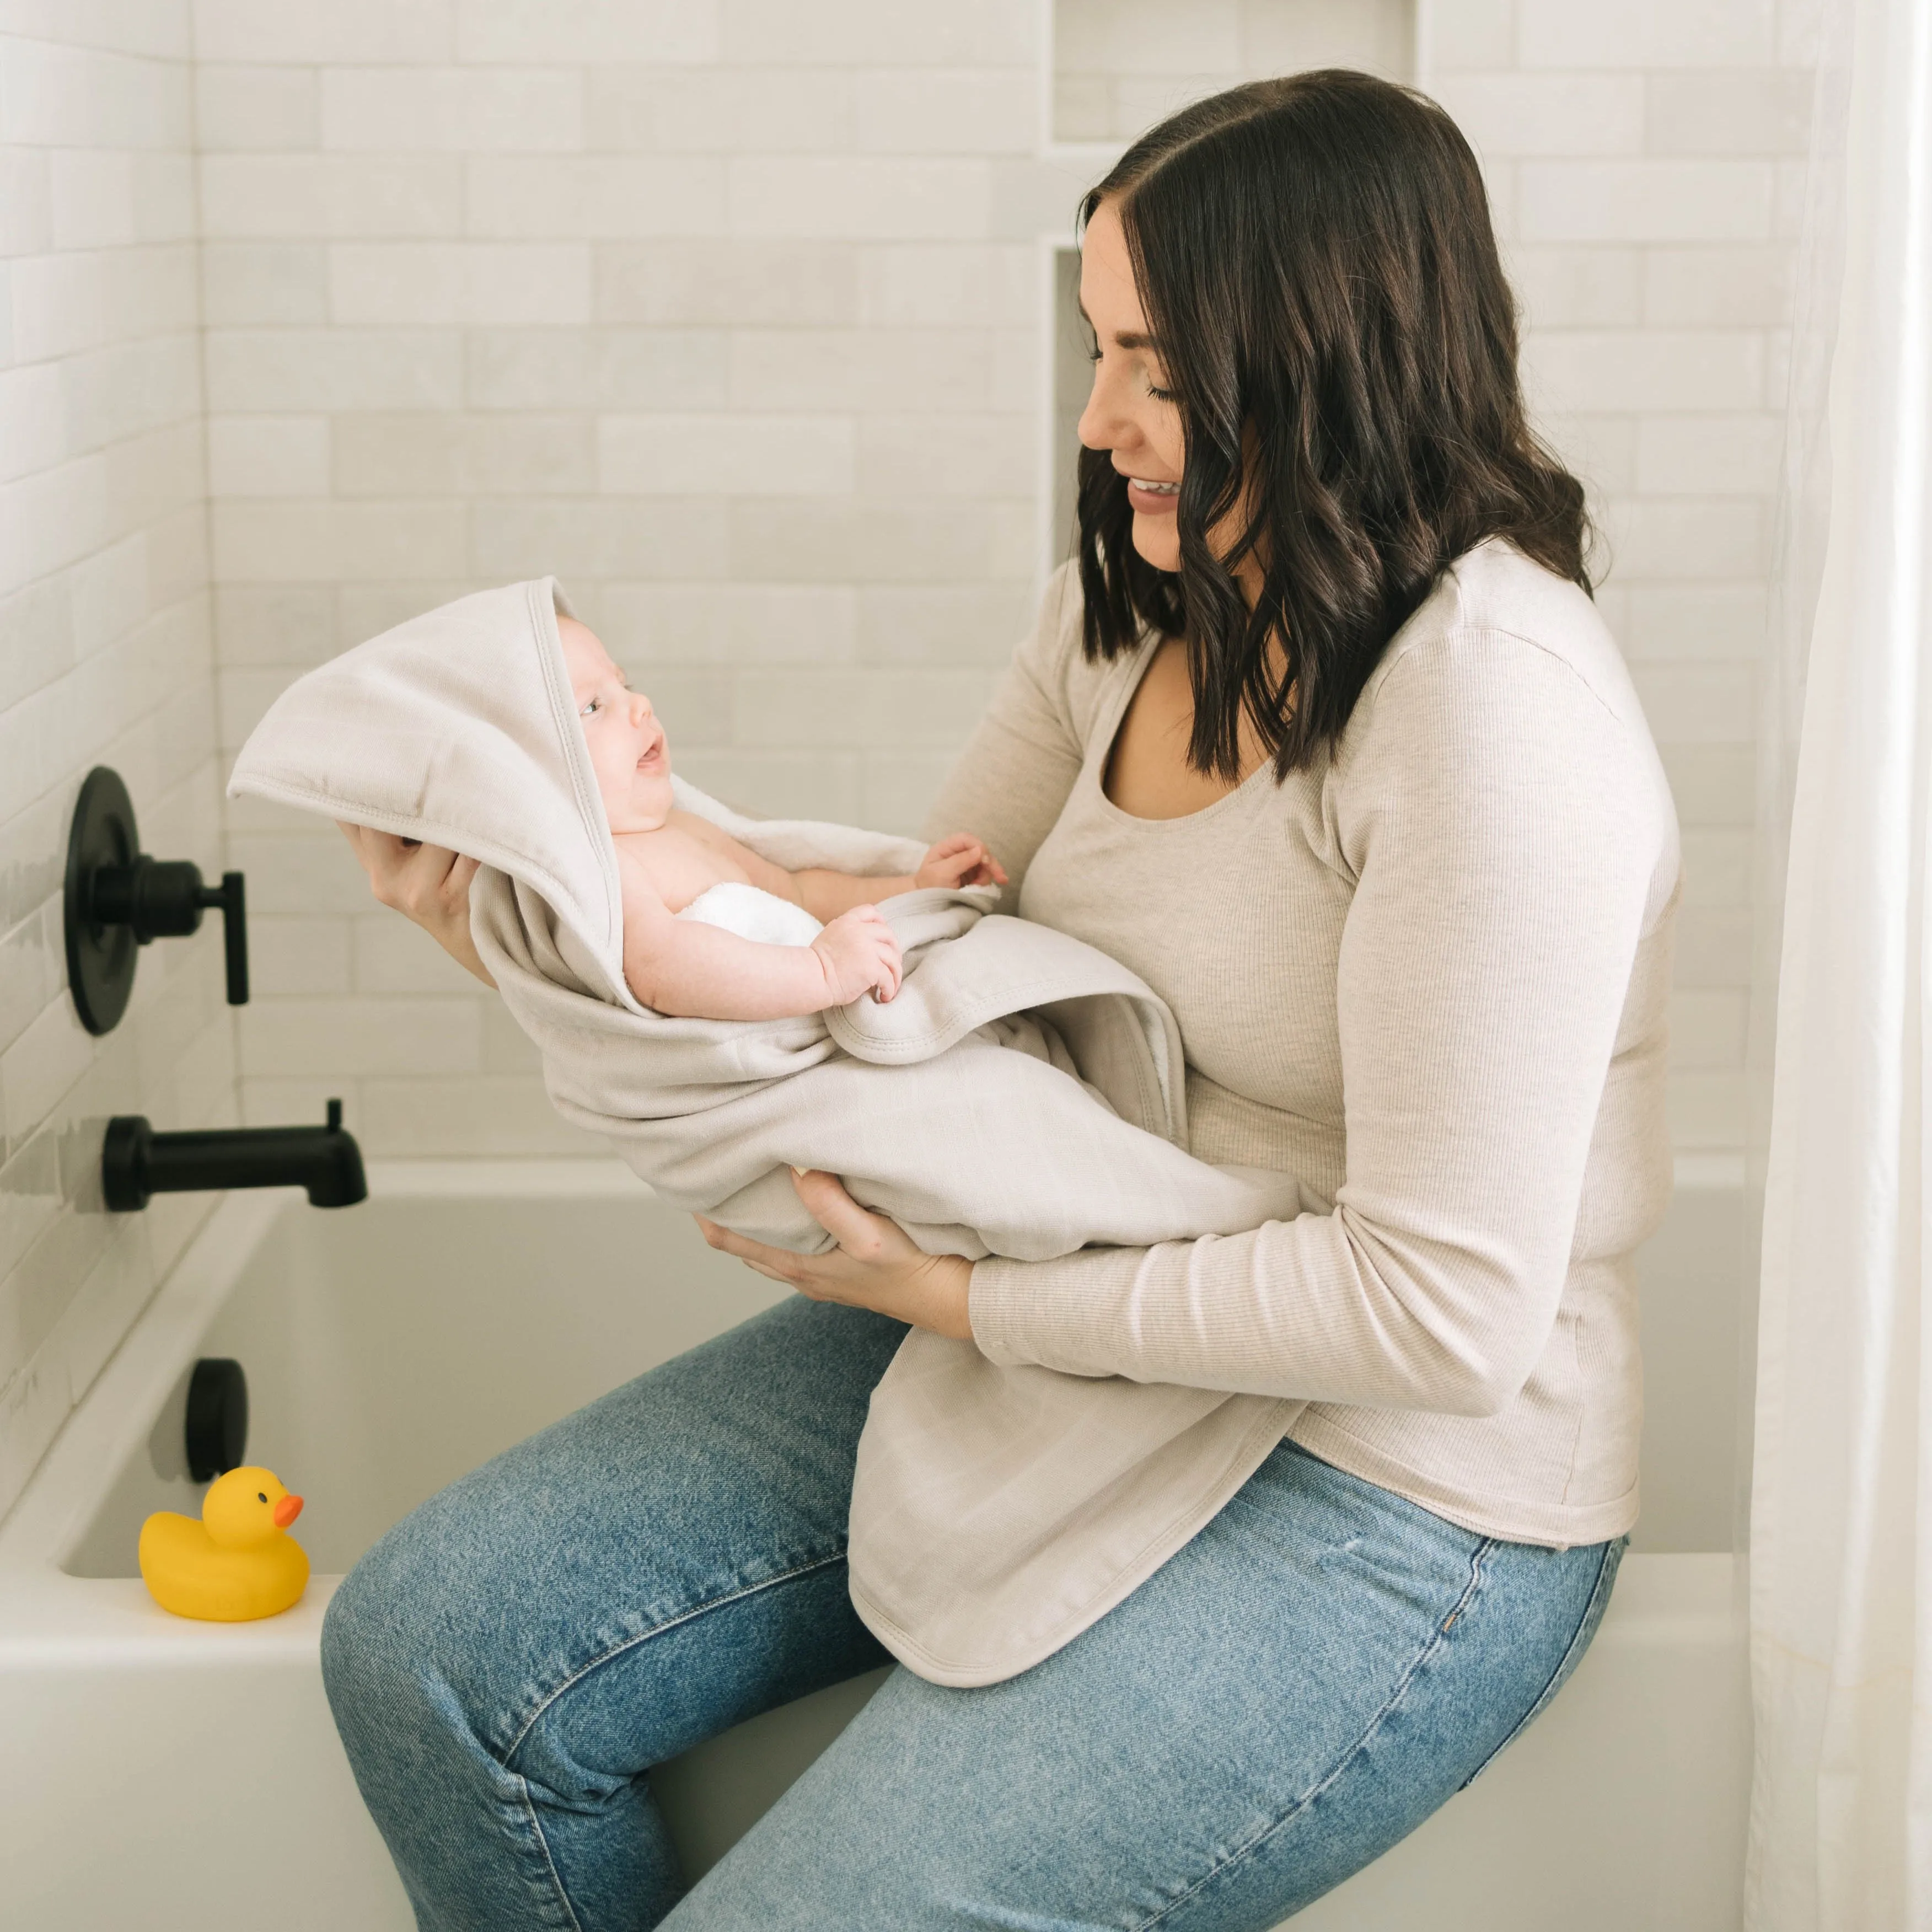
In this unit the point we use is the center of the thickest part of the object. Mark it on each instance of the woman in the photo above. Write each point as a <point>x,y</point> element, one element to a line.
<point>1327,743</point>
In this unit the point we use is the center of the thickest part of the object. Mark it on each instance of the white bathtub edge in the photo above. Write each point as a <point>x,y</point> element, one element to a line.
<point>115,1416</point>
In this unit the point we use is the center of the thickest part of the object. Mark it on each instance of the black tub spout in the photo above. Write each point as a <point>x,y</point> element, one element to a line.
<point>136,1163</point>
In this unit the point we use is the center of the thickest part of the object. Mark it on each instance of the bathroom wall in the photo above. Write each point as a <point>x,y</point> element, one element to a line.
<point>727,311</point>
<point>741,318</point>
<point>1120,65</point>
<point>105,657</point>
<point>1646,163</point>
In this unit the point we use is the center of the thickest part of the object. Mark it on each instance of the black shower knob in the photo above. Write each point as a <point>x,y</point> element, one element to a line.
<point>118,899</point>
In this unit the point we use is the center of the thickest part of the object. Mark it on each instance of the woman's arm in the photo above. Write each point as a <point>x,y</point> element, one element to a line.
<point>1009,783</point>
<point>875,1264</point>
<point>1504,829</point>
<point>424,883</point>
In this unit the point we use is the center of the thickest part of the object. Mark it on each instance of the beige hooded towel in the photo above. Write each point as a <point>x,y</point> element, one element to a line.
<point>1022,1096</point>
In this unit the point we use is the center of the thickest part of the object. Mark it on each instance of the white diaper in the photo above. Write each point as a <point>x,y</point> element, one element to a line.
<point>752,913</point>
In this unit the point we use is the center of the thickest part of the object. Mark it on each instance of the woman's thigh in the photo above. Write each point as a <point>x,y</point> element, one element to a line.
<point>508,1662</point>
<point>1295,1691</point>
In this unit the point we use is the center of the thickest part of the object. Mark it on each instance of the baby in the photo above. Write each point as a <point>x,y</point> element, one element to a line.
<point>692,893</point>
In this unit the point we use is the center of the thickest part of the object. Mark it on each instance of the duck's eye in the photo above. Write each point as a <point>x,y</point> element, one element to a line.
<point>259,1497</point>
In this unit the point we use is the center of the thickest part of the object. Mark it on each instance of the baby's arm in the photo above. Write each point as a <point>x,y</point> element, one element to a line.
<point>961,860</point>
<point>825,895</point>
<point>688,970</point>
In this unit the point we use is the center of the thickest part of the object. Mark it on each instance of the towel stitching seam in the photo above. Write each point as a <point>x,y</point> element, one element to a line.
<point>563,717</point>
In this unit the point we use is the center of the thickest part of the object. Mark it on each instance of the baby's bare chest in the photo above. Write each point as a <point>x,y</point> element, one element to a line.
<point>679,865</point>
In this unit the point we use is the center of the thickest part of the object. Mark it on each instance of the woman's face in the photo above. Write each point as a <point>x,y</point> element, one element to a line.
<point>1130,414</point>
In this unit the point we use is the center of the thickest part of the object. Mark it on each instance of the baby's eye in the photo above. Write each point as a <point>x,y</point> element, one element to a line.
<point>592,706</point>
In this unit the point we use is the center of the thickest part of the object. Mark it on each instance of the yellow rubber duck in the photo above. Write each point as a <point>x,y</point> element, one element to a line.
<point>237,1563</point>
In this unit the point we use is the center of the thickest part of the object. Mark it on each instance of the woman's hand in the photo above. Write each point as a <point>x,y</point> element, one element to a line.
<point>961,860</point>
<point>425,882</point>
<point>875,1264</point>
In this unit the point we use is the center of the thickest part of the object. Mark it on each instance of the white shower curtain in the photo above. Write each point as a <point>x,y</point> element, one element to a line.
<point>1841,1594</point>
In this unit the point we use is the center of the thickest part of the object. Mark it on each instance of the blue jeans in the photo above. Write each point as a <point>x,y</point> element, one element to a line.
<point>1302,1684</point>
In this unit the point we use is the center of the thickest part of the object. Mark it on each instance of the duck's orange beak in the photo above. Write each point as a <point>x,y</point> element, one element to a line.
<point>286,1510</point>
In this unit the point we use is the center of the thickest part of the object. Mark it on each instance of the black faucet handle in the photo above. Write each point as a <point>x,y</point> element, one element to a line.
<point>228,896</point>
<point>153,898</point>
<point>164,898</point>
<point>116,898</point>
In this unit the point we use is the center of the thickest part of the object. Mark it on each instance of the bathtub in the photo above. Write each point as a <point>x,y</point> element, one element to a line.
<point>164,1775</point>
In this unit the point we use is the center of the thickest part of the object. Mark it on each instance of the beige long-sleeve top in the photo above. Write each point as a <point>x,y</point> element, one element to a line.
<point>1428,975</point>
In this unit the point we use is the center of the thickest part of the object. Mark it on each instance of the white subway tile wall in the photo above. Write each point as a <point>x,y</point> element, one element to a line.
<point>729,317</point>
<point>741,317</point>
<point>1120,65</point>
<point>105,657</point>
<point>745,326</point>
<point>1645,160</point>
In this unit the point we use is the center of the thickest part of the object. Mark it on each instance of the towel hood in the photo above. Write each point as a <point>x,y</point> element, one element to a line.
<point>456,728</point>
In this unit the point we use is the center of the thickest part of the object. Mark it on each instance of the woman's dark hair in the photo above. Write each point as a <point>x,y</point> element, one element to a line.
<point>1319,274</point>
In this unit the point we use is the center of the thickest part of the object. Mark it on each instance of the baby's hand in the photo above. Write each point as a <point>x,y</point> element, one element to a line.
<point>961,860</point>
<point>859,952</point>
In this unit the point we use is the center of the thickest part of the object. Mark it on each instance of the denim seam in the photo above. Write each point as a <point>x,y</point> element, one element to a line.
<point>1438,1638</point>
<point>1564,1664</point>
<point>550,1864</point>
<point>657,1629</point>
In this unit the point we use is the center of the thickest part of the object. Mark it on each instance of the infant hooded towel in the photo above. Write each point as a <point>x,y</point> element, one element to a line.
<point>1021,1095</point>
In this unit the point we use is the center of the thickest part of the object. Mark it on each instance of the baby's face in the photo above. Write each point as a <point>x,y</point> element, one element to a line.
<point>628,750</point>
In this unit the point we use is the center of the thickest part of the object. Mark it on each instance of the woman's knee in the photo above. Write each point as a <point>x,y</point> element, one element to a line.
<point>373,1652</point>
<point>404,1655</point>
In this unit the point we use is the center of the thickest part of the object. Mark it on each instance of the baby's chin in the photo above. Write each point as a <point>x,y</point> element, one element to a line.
<point>645,804</point>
